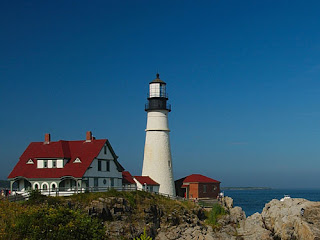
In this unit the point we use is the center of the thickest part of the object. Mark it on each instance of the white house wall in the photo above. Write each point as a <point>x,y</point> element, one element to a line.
<point>139,185</point>
<point>102,175</point>
<point>105,156</point>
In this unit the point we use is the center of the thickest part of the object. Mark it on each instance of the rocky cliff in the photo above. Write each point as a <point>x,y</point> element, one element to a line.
<point>290,219</point>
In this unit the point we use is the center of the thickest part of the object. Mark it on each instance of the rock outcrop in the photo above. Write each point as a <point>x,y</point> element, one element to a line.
<point>122,221</point>
<point>289,219</point>
<point>253,228</point>
<point>293,218</point>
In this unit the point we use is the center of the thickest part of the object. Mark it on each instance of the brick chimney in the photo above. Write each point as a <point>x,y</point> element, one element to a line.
<point>47,138</point>
<point>89,136</point>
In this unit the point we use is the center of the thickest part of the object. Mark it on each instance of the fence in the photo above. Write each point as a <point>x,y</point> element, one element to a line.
<point>17,195</point>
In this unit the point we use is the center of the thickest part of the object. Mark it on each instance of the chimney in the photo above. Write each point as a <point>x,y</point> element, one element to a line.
<point>47,138</point>
<point>89,136</point>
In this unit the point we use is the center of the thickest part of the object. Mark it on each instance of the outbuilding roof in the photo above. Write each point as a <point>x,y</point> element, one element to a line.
<point>145,180</point>
<point>86,151</point>
<point>127,178</point>
<point>198,178</point>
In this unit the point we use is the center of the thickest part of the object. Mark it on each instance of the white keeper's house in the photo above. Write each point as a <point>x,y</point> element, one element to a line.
<point>89,164</point>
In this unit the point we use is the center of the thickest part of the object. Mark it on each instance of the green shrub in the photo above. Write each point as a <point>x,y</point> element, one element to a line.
<point>143,236</point>
<point>53,223</point>
<point>36,196</point>
<point>216,211</point>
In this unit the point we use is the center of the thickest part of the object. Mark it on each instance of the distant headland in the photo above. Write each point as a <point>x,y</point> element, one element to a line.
<point>245,188</point>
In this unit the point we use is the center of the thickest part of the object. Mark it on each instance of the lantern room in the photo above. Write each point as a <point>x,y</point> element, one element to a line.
<point>157,88</point>
<point>157,97</point>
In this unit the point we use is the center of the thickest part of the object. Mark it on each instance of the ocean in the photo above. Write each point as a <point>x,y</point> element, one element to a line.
<point>252,201</point>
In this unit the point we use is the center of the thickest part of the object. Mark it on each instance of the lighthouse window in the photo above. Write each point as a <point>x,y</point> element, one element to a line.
<point>155,90</point>
<point>163,91</point>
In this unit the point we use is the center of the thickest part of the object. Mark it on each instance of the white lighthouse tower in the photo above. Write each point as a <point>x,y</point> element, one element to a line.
<point>157,162</point>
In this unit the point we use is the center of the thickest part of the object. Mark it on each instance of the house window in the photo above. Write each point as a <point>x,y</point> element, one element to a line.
<point>112,182</point>
<point>108,166</point>
<point>96,182</point>
<point>53,187</point>
<point>204,188</point>
<point>214,188</point>
<point>54,163</point>
<point>104,181</point>
<point>99,165</point>
<point>73,183</point>
<point>36,186</point>
<point>45,163</point>
<point>151,188</point>
<point>105,149</point>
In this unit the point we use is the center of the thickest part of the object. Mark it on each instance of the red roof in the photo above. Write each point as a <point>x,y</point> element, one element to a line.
<point>198,178</point>
<point>145,180</point>
<point>127,178</point>
<point>85,151</point>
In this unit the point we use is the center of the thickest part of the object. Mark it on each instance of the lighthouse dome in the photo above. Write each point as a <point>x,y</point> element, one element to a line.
<point>158,80</point>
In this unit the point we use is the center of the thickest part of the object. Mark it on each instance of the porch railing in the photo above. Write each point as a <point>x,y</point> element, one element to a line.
<point>17,195</point>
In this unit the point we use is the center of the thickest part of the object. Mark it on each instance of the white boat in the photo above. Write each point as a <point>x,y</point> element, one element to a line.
<point>285,197</point>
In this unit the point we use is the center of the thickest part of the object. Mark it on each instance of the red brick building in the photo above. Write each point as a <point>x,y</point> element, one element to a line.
<point>197,186</point>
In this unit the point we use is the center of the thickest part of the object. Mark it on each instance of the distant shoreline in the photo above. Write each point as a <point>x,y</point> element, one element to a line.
<point>246,188</point>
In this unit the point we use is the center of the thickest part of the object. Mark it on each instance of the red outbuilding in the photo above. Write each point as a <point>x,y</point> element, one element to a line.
<point>197,186</point>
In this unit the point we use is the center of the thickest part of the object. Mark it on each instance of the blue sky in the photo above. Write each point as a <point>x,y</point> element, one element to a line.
<point>242,78</point>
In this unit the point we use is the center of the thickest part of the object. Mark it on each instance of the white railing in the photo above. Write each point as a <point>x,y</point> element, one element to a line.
<point>17,195</point>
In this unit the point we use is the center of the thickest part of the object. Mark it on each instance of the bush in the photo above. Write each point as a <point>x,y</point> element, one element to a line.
<point>216,211</point>
<point>36,196</point>
<point>143,236</point>
<point>43,222</point>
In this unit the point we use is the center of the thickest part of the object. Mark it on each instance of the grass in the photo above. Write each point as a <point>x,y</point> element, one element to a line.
<point>216,212</point>
<point>42,216</point>
<point>42,221</point>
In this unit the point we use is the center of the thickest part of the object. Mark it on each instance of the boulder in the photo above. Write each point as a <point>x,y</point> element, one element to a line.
<point>237,215</point>
<point>253,228</point>
<point>227,202</point>
<point>293,218</point>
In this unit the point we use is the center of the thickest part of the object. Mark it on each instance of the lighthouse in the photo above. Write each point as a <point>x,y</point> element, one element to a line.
<point>157,162</point>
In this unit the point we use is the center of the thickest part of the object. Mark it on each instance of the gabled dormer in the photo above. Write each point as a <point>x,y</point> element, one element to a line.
<point>30,161</point>
<point>51,163</point>
<point>77,160</point>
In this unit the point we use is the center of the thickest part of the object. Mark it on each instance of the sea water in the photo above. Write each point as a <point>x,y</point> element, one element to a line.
<point>252,201</point>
